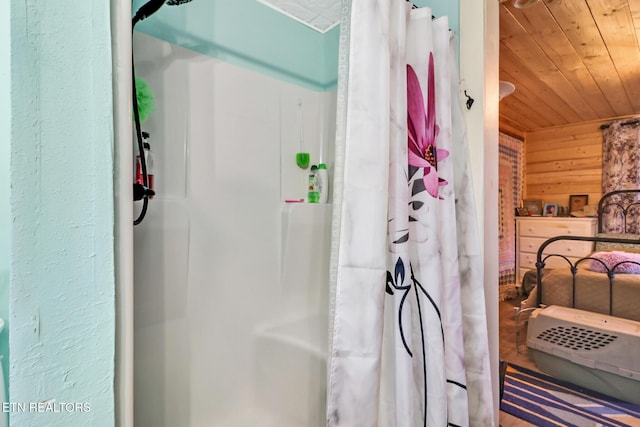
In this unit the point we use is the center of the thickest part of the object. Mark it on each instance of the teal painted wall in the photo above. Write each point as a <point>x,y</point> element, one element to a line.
<point>62,255</point>
<point>448,8</point>
<point>251,35</point>
<point>62,284</point>
<point>5,150</point>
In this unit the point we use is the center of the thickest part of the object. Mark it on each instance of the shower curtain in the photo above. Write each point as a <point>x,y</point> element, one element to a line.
<point>409,343</point>
<point>621,171</point>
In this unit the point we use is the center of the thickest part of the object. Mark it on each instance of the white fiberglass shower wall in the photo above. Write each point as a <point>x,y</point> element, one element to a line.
<point>231,282</point>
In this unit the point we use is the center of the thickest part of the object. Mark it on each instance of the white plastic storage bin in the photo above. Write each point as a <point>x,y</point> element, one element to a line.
<point>592,350</point>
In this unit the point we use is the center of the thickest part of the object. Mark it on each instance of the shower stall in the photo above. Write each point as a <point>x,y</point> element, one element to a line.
<point>229,299</point>
<point>230,295</point>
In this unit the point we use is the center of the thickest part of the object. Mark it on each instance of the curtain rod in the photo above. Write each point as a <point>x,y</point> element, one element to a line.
<point>629,123</point>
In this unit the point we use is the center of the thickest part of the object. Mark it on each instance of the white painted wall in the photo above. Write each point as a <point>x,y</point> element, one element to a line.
<point>479,49</point>
<point>216,284</point>
<point>123,223</point>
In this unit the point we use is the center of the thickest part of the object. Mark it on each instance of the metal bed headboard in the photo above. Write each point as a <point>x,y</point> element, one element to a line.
<point>613,200</point>
<point>542,258</point>
<point>623,204</point>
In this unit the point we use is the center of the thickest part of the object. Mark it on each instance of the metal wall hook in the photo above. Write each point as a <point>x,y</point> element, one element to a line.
<point>470,100</point>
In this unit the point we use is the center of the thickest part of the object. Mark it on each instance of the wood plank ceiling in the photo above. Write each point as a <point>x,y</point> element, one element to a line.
<point>571,61</point>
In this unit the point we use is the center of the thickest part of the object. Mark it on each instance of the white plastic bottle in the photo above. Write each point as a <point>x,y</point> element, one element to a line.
<point>322,183</point>
<point>312,189</point>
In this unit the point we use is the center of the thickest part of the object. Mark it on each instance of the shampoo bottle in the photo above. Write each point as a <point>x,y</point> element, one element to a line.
<point>312,194</point>
<point>322,183</point>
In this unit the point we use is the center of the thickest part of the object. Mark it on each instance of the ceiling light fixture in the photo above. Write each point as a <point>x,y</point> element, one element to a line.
<point>506,89</point>
<point>523,4</point>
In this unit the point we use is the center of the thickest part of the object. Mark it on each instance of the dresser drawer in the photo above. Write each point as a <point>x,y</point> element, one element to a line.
<point>534,231</point>
<point>528,260</point>
<point>550,228</point>
<point>564,247</point>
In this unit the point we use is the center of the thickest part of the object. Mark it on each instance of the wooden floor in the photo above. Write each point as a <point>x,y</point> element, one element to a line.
<point>512,353</point>
<point>513,348</point>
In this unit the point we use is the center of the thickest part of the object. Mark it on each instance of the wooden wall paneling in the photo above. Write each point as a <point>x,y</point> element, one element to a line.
<point>570,56</point>
<point>529,118</point>
<point>566,141</point>
<point>541,26</point>
<point>557,151</point>
<point>567,165</point>
<point>634,8</point>
<point>561,148</point>
<point>528,97</point>
<point>553,186</point>
<point>508,127</point>
<point>564,160</point>
<point>561,178</point>
<point>616,27</point>
<point>575,18</point>
<point>543,96</point>
<point>552,194</point>
<point>568,132</point>
<point>529,52</point>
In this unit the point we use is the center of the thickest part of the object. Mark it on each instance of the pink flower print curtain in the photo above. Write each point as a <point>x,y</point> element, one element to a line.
<point>409,341</point>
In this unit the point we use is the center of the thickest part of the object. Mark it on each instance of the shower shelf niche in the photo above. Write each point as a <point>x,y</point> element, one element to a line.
<point>291,352</point>
<point>305,242</point>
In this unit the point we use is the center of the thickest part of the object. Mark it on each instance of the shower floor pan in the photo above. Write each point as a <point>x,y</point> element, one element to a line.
<point>291,371</point>
<point>592,350</point>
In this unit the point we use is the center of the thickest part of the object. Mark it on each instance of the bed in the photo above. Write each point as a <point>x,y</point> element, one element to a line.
<point>605,282</point>
<point>583,321</point>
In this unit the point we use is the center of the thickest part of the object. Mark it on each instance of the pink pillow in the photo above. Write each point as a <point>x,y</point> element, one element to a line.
<point>612,258</point>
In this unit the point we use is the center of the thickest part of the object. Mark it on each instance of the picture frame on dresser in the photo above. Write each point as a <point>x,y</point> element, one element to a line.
<point>578,201</point>
<point>550,209</point>
<point>534,206</point>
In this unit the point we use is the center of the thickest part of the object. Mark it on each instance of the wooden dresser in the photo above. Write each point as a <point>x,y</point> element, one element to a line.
<point>532,231</point>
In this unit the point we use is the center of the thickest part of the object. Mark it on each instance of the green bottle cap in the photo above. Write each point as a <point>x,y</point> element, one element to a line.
<point>322,166</point>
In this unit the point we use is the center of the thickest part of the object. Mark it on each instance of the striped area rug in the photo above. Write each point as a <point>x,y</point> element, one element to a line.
<point>545,401</point>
